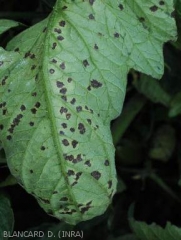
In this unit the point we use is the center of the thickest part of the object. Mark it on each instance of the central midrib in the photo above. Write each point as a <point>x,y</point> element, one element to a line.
<point>51,114</point>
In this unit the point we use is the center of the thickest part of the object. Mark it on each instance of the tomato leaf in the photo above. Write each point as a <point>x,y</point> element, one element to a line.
<point>69,82</point>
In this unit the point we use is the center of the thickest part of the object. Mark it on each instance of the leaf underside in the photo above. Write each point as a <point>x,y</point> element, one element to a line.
<point>62,82</point>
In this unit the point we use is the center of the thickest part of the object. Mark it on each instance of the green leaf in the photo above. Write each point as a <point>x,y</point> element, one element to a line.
<point>7,24</point>
<point>6,217</point>
<point>144,231</point>
<point>69,83</point>
<point>130,110</point>
<point>163,143</point>
<point>175,105</point>
<point>151,88</point>
<point>154,232</point>
<point>9,181</point>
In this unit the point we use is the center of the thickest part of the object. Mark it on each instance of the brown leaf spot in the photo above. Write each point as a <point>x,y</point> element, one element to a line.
<point>9,137</point>
<point>68,115</point>
<point>121,7</point>
<point>62,66</point>
<point>64,98</point>
<point>79,108</point>
<point>88,163</point>
<point>96,47</point>
<point>72,129</point>
<point>60,84</point>
<point>31,124</point>
<point>62,23</point>
<point>91,16</point>
<point>33,110</point>
<point>81,128</point>
<point>63,90</point>
<point>116,35</point>
<point>91,2</point>
<point>96,174</point>
<point>65,142</point>
<point>161,3</point>
<point>74,143</point>
<point>95,83</point>
<point>60,38</point>
<point>51,71</point>
<point>73,101</point>
<point>109,184</point>
<point>23,107</point>
<point>63,110</point>
<point>37,104</point>
<point>54,45</point>
<point>89,121</point>
<point>69,80</point>
<point>106,163</point>
<point>54,60</point>
<point>70,173</point>
<point>85,63</point>
<point>154,8</point>
<point>141,19</point>
<point>4,80</point>
<point>64,125</point>
<point>57,30</point>
<point>33,67</point>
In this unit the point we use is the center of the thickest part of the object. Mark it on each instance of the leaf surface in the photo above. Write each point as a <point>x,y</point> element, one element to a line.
<point>7,24</point>
<point>144,231</point>
<point>154,232</point>
<point>69,83</point>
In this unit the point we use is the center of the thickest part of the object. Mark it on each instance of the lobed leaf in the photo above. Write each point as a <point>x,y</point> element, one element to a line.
<point>144,231</point>
<point>69,82</point>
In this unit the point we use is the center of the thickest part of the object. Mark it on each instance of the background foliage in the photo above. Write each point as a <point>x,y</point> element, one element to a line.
<point>148,155</point>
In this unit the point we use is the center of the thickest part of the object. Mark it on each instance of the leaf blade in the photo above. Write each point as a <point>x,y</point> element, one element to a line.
<point>64,91</point>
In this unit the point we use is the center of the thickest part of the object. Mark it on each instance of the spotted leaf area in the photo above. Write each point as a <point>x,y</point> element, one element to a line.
<point>57,101</point>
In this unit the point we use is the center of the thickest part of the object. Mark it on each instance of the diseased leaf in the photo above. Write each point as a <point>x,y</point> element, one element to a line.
<point>69,83</point>
<point>6,216</point>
